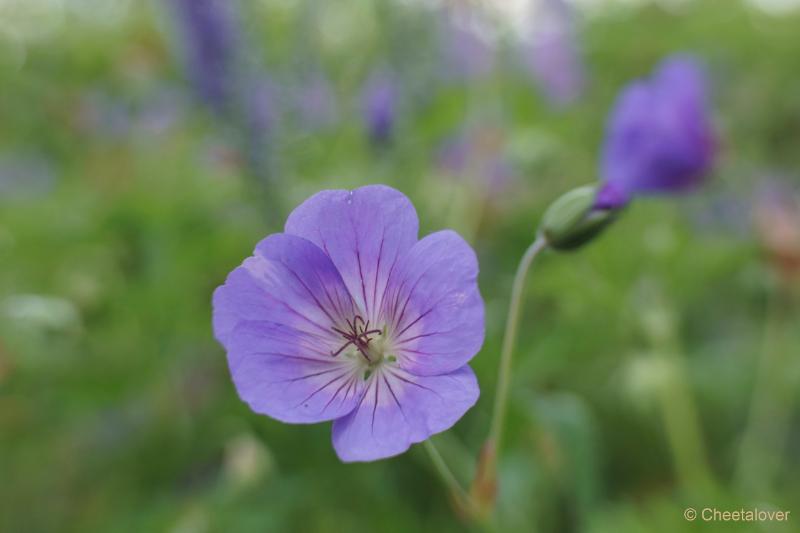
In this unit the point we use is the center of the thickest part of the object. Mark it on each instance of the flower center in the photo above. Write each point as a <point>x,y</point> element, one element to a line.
<point>369,345</point>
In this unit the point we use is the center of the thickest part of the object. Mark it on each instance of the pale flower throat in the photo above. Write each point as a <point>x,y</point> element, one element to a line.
<point>370,347</point>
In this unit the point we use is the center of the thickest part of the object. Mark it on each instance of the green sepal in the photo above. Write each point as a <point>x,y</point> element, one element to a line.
<point>572,220</point>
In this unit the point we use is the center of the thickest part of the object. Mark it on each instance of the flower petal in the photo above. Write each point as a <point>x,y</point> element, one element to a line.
<point>288,281</point>
<point>274,316</point>
<point>434,307</point>
<point>364,232</point>
<point>277,377</point>
<point>399,409</point>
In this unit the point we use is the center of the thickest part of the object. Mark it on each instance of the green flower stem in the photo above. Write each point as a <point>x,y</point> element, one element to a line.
<point>682,425</point>
<point>764,440</point>
<point>512,321</point>
<point>484,486</point>
<point>449,479</point>
<point>679,413</point>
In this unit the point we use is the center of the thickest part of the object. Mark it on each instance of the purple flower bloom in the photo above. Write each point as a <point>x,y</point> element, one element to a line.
<point>659,137</point>
<point>346,316</point>
<point>552,54</point>
<point>208,31</point>
<point>378,104</point>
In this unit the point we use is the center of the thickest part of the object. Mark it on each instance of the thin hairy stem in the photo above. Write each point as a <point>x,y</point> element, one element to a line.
<point>462,497</point>
<point>507,350</point>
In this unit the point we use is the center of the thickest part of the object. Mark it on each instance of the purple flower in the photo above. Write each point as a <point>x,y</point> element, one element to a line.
<point>552,54</point>
<point>659,137</point>
<point>346,316</point>
<point>378,105</point>
<point>208,31</point>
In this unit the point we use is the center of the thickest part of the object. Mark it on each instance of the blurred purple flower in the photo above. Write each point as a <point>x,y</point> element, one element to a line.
<point>552,54</point>
<point>260,101</point>
<point>346,316</point>
<point>659,137</point>
<point>315,102</point>
<point>499,173</point>
<point>161,111</point>
<point>101,114</point>
<point>477,154</point>
<point>209,40</point>
<point>454,154</point>
<point>379,106</point>
<point>465,53</point>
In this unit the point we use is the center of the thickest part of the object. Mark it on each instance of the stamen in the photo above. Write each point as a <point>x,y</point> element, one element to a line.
<point>356,319</point>
<point>358,336</point>
<point>340,332</point>
<point>370,332</point>
<point>363,351</point>
<point>340,350</point>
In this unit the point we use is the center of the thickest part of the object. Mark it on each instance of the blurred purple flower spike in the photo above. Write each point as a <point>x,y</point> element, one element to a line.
<point>315,102</point>
<point>553,55</point>
<point>209,39</point>
<point>260,99</point>
<point>378,106</point>
<point>347,316</point>
<point>659,137</point>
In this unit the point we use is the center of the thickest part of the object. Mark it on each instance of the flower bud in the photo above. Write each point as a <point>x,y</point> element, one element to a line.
<point>573,220</point>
